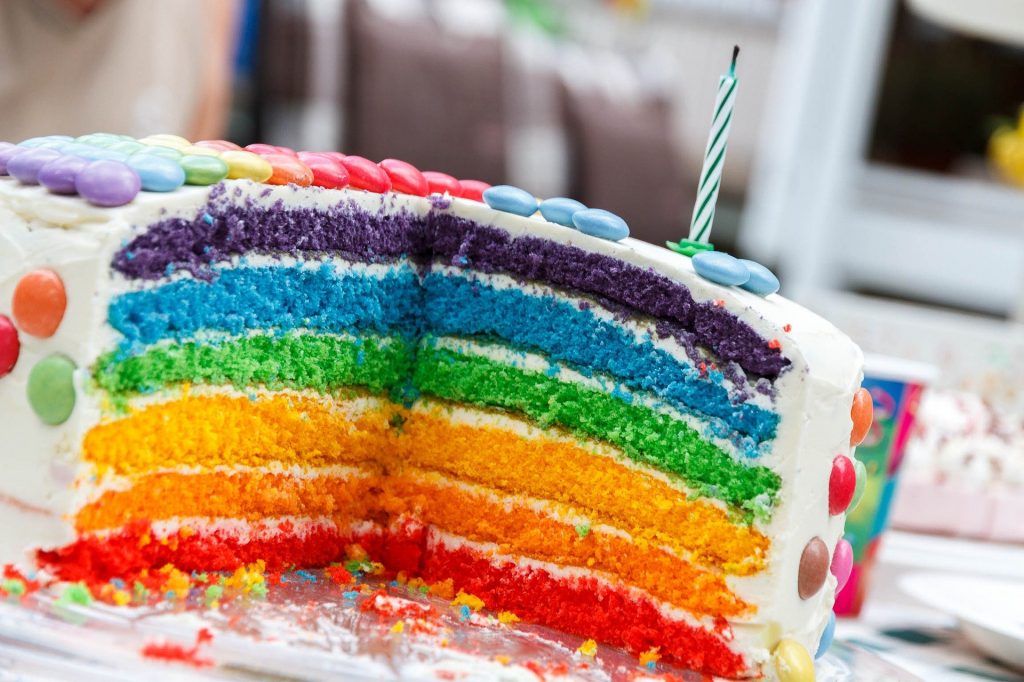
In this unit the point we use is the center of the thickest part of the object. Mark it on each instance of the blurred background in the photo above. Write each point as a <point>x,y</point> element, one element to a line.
<point>875,162</point>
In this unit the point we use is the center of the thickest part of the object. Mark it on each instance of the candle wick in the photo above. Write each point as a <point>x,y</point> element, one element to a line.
<point>735,54</point>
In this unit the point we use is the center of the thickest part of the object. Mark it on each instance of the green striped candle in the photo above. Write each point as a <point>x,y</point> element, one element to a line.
<point>714,156</point>
<point>711,173</point>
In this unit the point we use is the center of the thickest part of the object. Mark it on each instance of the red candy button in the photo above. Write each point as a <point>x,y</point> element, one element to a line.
<point>862,412</point>
<point>9,345</point>
<point>327,172</point>
<point>288,170</point>
<point>365,174</point>
<point>262,149</point>
<point>39,303</point>
<point>218,145</point>
<point>442,182</point>
<point>473,189</point>
<point>337,156</point>
<point>405,177</point>
<point>841,484</point>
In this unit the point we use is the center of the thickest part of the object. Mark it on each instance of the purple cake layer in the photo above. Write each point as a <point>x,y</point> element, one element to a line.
<point>251,227</point>
<point>355,234</point>
<point>486,249</point>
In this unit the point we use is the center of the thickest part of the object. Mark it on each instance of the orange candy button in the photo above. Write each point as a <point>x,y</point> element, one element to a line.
<point>39,303</point>
<point>862,413</point>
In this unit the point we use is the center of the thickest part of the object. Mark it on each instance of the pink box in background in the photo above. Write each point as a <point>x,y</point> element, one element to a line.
<point>895,386</point>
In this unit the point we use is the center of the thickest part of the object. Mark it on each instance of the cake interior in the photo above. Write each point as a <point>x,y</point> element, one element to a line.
<point>566,436</point>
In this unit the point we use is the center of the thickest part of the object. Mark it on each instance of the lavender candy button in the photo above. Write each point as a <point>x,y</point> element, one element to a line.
<point>107,183</point>
<point>7,151</point>
<point>59,175</point>
<point>26,166</point>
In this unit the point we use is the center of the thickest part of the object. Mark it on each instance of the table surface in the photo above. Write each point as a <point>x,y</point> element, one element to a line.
<point>919,639</point>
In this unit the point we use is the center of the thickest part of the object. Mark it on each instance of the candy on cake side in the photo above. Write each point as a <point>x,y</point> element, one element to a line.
<point>390,467</point>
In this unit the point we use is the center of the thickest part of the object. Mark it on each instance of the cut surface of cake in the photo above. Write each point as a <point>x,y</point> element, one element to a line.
<point>583,432</point>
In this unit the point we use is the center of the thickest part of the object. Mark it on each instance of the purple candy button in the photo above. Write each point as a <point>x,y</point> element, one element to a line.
<point>26,166</point>
<point>107,183</point>
<point>59,175</point>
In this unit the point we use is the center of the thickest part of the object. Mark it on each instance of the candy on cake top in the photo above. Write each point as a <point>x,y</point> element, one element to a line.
<point>109,170</point>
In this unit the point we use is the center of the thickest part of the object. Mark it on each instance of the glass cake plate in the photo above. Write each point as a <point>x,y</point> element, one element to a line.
<point>309,628</point>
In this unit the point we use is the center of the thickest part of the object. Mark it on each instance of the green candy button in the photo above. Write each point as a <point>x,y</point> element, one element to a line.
<point>51,389</point>
<point>203,170</point>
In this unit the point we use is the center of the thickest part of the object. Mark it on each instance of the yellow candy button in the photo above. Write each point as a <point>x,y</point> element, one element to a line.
<point>166,140</point>
<point>244,165</point>
<point>792,662</point>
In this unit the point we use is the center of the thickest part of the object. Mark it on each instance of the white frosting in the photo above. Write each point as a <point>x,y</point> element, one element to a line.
<point>41,230</point>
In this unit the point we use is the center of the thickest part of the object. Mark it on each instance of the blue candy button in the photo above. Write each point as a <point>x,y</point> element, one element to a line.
<point>560,210</point>
<point>720,268</point>
<point>97,153</point>
<point>762,280</point>
<point>157,174</point>
<point>600,223</point>
<point>510,200</point>
<point>826,636</point>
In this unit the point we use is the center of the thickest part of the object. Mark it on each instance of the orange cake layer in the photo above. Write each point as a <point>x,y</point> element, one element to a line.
<point>517,530</point>
<point>217,430</point>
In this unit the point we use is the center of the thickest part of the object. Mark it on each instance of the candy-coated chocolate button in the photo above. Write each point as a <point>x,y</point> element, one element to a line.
<point>841,484</point>
<point>814,563</point>
<point>327,172</point>
<point>510,200</point>
<point>862,479</point>
<point>218,145</point>
<point>58,176</point>
<point>98,139</point>
<point>156,173</point>
<point>39,303</point>
<point>8,152</point>
<point>861,413</point>
<point>203,170</point>
<point>25,167</point>
<point>842,563</point>
<point>762,280</point>
<point>127,147</point>
<point>287,170</point>
<point>600,223</point>
<point>792,662</point>
<point>560,210</point>
<point>10,346</point>
<point>98,153</point>
<point>337,156</point>
<point>442,183</point>
<point>405,177</point>
<point>244,165</point>
<point>51,389</point>
<point>199,151</point>
<point>160,150</point>
<point>45,141</point>
<point>473,189</point>
<point>166,140</point>
<point>720,268</point>
<point>365,174</point>
<point>107,183</point>
<point>261,149</point>
<point>826,637</point>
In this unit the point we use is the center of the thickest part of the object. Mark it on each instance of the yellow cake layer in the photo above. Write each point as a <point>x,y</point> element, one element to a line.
<point>226,430</point>
<point>473,514</point>
<point>607,491</point>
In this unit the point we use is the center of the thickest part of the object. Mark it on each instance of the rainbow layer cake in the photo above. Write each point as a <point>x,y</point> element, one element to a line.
<point>292,356</point>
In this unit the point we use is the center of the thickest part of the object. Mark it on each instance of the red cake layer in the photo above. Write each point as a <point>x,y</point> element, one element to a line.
<point>584,606</point>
